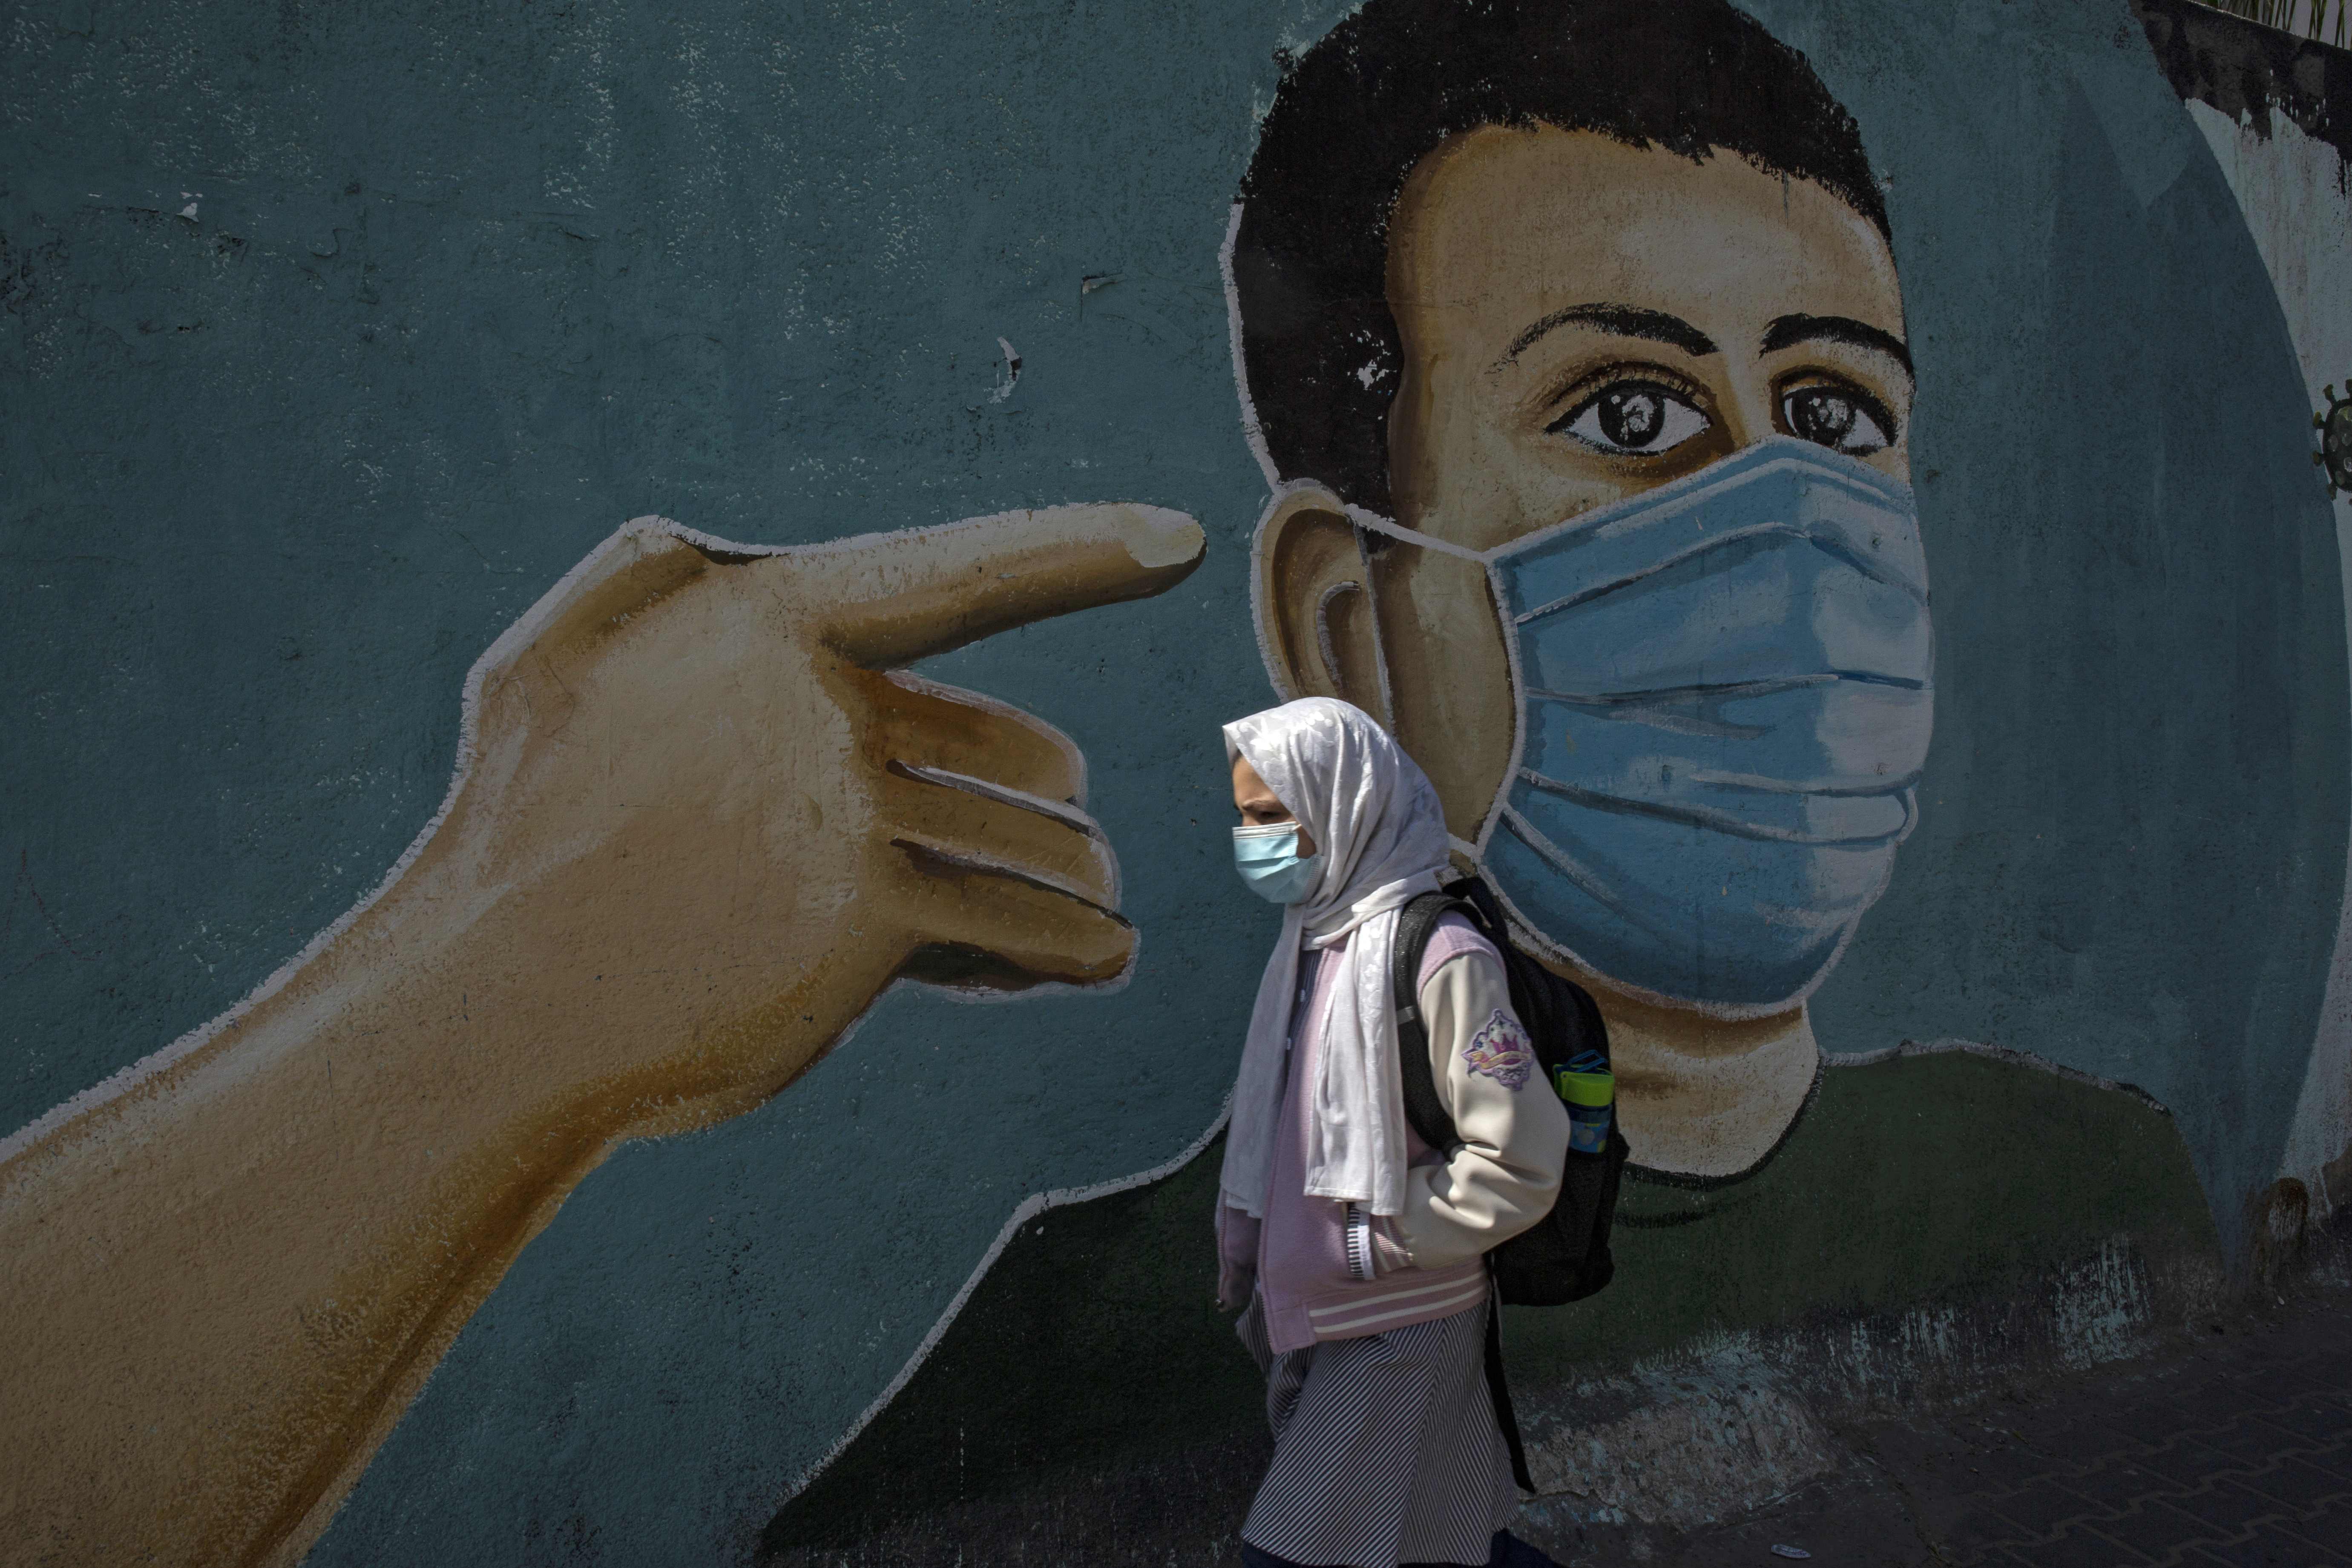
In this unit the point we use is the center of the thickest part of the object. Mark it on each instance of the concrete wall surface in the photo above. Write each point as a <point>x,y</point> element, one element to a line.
<point>618,944</point>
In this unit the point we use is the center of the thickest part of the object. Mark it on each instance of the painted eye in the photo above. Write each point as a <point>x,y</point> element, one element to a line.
<point>1839,418</point>
<point>1632,419</point>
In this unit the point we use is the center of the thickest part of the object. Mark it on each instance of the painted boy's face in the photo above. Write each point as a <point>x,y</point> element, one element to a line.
<point>1583,321</point>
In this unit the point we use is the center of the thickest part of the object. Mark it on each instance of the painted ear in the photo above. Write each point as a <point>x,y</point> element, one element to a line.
<point>1314,610</point>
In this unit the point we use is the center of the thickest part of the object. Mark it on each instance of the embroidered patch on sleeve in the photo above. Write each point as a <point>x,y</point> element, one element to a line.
<point>1501,1051</point>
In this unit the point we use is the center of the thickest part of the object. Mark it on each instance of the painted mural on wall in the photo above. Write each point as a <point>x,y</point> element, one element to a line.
<point>1622,374</point>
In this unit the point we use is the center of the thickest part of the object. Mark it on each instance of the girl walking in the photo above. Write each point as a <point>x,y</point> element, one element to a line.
<point>1356,1250</point>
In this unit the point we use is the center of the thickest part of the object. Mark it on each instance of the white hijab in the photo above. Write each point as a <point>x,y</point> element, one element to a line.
<point>1376,822</point>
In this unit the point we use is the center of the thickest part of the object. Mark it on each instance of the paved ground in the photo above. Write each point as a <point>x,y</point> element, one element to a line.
<point>2233,1447</point>
<point>2228,1446</point>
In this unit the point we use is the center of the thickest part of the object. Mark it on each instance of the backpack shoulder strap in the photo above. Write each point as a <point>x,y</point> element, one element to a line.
<point>1422,1107</point>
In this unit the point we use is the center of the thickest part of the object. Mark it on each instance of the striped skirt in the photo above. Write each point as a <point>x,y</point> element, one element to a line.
<point>1385,1448</point>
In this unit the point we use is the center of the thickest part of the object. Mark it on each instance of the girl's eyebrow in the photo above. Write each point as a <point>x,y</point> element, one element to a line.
<point>1787,330</point>
<point>1626,321</point>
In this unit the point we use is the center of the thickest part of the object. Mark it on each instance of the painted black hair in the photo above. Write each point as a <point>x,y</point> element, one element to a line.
<point>1359,109</point>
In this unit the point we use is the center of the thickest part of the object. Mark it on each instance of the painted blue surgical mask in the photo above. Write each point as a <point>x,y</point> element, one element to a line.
<point>1724,705</point>
<point>1269,859</point>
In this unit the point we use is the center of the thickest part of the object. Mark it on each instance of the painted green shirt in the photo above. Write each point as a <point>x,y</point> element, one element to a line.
<point>1093,1344</point>
<point>1906,1180</point>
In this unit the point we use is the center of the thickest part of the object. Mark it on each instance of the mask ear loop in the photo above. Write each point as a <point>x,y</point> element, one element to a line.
<point>1373,613</point>
<point>1510,633</point>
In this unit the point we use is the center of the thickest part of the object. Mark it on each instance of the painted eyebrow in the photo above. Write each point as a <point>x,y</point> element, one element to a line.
<point>1788,330</point>
<point>1626,321</point>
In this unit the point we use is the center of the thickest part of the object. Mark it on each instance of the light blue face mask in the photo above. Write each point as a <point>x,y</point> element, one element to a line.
<point>1725,699</point>
<point>1271,865</point>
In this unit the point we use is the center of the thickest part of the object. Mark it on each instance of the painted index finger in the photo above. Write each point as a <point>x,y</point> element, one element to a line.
<point>892,599</point>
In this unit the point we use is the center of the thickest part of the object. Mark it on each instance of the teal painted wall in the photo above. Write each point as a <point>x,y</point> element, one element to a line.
<point>334,336</point>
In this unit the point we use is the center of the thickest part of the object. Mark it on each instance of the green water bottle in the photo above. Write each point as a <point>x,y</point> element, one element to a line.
<point>1589,1088</point>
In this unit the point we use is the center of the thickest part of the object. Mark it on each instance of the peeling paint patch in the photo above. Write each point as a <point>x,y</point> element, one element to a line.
<point>1012,372</point>
<point>1688,1445</point>
<point>2101,1311</point>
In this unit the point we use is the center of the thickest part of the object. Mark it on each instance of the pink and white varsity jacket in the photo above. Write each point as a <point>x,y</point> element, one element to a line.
<point>1328,1269</point>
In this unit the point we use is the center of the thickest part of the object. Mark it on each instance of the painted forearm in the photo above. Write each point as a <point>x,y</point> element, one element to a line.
<point>227,1278</point>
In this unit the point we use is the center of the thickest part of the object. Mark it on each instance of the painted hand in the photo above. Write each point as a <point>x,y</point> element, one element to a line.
<point>700,826</point>
<point>706,802</point>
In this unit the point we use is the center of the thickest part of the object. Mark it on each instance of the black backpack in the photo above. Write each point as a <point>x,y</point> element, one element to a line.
<point>1563,1257</point>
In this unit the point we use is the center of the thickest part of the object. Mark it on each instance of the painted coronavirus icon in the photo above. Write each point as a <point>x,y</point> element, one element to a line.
<point>2335,426</point>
